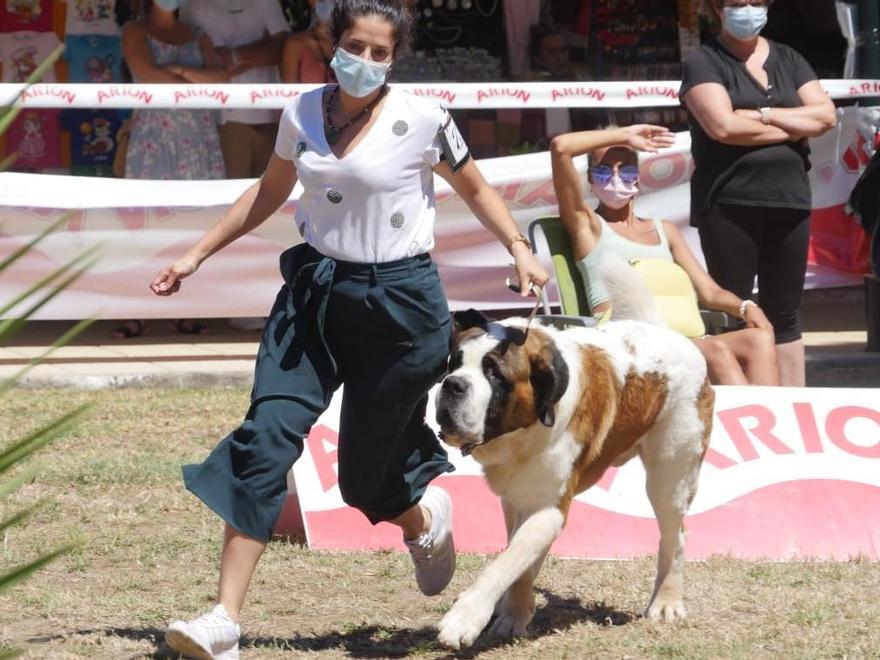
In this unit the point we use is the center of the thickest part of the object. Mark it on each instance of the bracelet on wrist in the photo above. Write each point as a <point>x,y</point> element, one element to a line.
<point>744,305</point>
<point>517,238</point>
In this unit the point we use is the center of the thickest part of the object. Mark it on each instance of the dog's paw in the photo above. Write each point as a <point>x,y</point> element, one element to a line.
<point>464,622</point>
<point>666,610</point>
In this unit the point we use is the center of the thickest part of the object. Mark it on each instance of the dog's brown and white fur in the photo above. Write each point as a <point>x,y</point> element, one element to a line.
<point>546,413</point>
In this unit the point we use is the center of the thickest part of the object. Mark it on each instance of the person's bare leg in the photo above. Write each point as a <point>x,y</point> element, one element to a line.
<point>414,522</point>
<point>721,364</point>
<point>792,364</point>
<point>237,563</point>
<point>755,351</point>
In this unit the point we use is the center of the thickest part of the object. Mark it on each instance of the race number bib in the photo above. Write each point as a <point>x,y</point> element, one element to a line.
<point>454,148</point>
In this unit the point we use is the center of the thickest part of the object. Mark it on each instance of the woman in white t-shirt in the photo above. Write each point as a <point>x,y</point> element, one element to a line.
<point>361,306</point>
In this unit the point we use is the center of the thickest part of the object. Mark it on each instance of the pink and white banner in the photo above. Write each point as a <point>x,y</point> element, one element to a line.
<point>790,474</point>
<point>615,94</point>
<point>142,226</point>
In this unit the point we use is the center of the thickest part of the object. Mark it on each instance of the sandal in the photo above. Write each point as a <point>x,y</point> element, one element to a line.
<point>129,329</point>
<point>190,327</point>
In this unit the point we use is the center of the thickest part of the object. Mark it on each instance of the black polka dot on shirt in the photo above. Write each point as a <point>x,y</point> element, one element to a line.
<point>334,195</point>
<point>400,128</point>
<point>398,220</point>
<point>300,149</point>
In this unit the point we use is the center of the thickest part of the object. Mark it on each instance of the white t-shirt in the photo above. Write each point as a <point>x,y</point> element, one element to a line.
<point>376,204</point>
<point>22,52</point>
<point>91,17</point>
<point>234,23</point>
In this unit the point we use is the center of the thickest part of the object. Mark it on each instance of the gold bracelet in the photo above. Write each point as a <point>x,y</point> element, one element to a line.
<point>517,238</point>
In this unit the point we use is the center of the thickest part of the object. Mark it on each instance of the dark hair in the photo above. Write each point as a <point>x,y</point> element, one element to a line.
<point>537,34</point>
<point>396,12</point>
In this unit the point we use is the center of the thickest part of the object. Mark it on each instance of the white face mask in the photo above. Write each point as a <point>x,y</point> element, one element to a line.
<point>745,22</point>
<point>357,76</point>
<point>615,194</point>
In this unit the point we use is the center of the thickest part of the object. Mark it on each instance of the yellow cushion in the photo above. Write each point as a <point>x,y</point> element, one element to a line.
<point>675,295</point>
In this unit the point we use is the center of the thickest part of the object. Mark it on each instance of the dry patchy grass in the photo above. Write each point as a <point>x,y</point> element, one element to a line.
<point>149,553</point>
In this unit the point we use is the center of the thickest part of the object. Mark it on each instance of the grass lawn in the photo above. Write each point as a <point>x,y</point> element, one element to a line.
<point>149,554</point>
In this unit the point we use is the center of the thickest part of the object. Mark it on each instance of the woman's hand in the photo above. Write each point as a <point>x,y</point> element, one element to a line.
<point>755,318</point>
<point>646,137</point>
<point>528,269</point>
<point>168,280</point>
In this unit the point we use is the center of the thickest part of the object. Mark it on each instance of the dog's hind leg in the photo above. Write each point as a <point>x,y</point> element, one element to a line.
<point>672,473</point>
<point>473,609</point>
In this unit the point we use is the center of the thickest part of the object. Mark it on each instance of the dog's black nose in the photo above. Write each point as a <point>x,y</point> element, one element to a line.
<point>454,386</point>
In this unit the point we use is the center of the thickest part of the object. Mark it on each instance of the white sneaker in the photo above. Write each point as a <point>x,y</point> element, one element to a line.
<point>433,552</point>
<point>212,636</point>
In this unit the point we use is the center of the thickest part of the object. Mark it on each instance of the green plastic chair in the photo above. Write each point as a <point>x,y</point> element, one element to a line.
<point>573,300</point>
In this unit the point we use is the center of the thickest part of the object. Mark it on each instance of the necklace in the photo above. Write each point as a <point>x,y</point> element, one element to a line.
<point>332,132</point>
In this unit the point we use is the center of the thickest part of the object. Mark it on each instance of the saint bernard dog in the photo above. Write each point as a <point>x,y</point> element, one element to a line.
<point>546,412</point>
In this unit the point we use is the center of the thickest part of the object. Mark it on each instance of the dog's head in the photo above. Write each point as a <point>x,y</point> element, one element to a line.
<point>501,378</point>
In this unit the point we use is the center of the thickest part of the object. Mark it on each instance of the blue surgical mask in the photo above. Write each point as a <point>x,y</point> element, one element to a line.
<point>357,76</point>
<point>745,22</point>
<point>324,10</point>
<point>168,5</point>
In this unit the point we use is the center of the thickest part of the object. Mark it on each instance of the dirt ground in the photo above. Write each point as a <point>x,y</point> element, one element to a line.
<point>148,553</point>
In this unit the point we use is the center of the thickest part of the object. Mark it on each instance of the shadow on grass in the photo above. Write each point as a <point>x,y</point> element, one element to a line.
<point>376,641</point>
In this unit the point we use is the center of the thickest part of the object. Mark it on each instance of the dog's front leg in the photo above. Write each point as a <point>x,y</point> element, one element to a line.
<point>473,609</point>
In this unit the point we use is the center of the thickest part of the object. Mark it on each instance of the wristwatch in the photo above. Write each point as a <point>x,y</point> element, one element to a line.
<point>517,238</point>
<point>765,114</point>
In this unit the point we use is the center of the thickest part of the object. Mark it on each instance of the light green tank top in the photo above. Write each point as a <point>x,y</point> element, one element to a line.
<point>610,240</point>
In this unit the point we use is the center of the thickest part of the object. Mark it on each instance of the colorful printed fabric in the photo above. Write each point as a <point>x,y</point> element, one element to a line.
<point>94,58</point>
<point>33,15</point>
<point>22,52</point>
<point>35,136</point>
<point>92,137</point>
<point>91,17</point>
<point>174,144</point>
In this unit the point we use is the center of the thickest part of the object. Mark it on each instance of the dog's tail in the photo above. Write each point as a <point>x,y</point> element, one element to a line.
<point>629,295</point>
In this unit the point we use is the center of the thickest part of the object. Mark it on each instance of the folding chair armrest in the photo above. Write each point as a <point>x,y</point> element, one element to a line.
<point>715,322</point>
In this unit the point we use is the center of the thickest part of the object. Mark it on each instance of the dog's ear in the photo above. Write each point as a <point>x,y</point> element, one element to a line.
<point>549,379</point>
<point>469,318</point>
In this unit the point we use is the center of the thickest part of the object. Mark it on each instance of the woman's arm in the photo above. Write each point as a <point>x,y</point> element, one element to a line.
<point>710,104</point>
<point>485,203</point>
<point>247,213</point>
<point>211,72</point>
<point>709,293</point>
<point>139,57</point>
<point>290,58</point>
<point>578,218</point>
<point>815,117</point>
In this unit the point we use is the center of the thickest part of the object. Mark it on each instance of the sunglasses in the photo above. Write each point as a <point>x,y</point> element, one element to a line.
<point>603,174</point>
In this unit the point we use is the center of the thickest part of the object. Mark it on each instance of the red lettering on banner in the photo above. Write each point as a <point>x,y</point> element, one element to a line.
<point>117,91</point>
<point>491,92</point>
<point>661,90</point>
<point>806,420</point>
<point>543,194</point>
<point>324,458</point>
<point>835,427</point>
<point>718,460</point>
<point>271,92</point>
<point>201,92</point>
<point>865,88</point>
<point>37,91</point>
<point>766,420</point>
<point>587,92</point>
<point>435,92</point>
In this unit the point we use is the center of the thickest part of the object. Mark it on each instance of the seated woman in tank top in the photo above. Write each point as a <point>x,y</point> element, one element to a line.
<point>739,357</point>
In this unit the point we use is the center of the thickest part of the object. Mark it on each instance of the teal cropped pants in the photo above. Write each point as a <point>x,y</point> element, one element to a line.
<point>381,330</point>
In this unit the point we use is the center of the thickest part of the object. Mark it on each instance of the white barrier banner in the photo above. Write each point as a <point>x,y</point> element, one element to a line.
<point>791,473</point>
<point>144,225</point>
<point>489,95</point>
